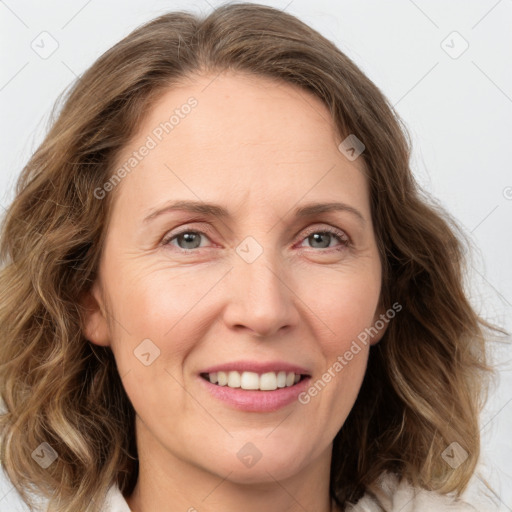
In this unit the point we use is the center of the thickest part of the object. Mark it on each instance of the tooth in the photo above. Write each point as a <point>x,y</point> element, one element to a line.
<point>281,379</point>
<point>268,381</point>
<point>234,380</point>
<point>250,380</point>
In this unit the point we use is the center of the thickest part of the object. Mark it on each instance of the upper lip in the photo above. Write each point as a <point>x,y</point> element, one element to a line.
<point>257,367</point>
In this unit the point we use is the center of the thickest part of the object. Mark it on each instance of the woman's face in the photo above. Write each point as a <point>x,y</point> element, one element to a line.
<point>181,293</point>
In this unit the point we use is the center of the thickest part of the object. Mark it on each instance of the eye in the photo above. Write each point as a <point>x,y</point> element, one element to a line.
<point>186,240</point>
<point>325,236</point>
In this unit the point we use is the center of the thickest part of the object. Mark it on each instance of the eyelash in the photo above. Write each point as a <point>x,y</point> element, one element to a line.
<point>342,237</point>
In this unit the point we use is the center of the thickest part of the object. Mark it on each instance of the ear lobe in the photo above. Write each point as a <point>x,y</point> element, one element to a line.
<point>380,324</point>
<point>94,319</point>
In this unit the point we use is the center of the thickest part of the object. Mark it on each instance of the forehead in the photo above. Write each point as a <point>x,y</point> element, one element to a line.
<point>239,135</point>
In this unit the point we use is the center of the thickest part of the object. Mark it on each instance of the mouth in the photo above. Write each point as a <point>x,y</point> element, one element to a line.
<point>254,392</point>
<point>252,381</point>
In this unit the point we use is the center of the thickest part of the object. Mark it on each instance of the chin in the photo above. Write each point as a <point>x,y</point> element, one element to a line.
<point>247,466</point>
<point>259,474</point>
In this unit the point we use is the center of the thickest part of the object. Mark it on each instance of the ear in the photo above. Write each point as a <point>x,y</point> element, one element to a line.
<point>94,322</point>
<point>380,324</point>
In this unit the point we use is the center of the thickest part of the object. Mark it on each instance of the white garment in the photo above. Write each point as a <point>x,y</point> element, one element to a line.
<point>389,496</point>
<point>114,501</point>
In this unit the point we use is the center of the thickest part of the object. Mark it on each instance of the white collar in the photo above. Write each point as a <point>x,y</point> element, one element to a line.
<point>114,501</point>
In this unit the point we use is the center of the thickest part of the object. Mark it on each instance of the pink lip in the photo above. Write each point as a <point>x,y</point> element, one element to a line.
<point>256,401</point>
<point>257,367</point>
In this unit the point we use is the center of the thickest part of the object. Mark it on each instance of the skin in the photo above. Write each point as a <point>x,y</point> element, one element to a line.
<point>260,149</point>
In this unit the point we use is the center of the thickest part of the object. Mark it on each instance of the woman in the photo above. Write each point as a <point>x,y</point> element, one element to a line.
<point>184,343</point>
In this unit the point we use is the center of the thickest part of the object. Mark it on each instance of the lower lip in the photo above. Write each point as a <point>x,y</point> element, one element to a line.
<point>257,401</point>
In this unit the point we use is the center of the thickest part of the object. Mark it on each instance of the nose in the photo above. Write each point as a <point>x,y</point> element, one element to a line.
<point>262,300</point>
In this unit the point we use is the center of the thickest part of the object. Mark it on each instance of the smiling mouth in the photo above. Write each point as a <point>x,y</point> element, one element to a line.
<point>252,381</point>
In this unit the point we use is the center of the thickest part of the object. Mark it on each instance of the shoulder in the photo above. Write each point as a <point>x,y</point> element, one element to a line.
<point>388,494</point>
<point>114,501</point>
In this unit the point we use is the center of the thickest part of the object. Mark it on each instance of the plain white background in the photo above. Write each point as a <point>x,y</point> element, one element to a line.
<point>445,66</point>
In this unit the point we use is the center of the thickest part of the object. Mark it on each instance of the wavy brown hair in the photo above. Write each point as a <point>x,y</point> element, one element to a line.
<point>425,381</point>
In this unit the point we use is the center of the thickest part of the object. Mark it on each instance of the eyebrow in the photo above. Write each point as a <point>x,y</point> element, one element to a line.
<point>216,210</point>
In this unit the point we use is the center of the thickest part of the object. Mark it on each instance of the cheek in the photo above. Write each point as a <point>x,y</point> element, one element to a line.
<point>154,313</point>
<point>163,303</point>
<point>344,304</point>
